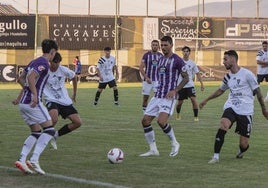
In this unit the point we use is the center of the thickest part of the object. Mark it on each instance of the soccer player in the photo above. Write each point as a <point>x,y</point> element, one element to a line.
<point>239,106</point>
<point>57,99</point>
<point>163,103</point>
<point>189,89</point>
<point>78,68</point>
<point>105,70</point>
<point>34,113</point>
<point>262,64</point>
<point>148,69</point>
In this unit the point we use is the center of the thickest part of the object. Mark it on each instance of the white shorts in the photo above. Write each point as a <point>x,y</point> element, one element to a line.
<point>147,88</point>
<point>158,105</point>
<point>37,115</point>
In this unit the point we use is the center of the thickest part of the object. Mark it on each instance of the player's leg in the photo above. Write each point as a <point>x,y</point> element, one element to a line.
<point>166,108</point>
<point>112,84</point>
<point>178,109</point>
<point>146,89</point>
<point>26,149</point>
<point>42,117</point>
<point>195,107</point>
<point>244,125</point>
<point>98,93</point>
<point>182,96</point>
<point>76,122</point>
<point>148,129</point>
<point>226,122</point>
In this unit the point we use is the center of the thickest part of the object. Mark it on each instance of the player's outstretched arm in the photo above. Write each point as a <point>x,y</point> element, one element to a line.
<point>216,94</point>
<point>258,93</point>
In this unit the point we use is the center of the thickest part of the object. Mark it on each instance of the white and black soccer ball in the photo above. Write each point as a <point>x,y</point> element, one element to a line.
<point>115,156</point>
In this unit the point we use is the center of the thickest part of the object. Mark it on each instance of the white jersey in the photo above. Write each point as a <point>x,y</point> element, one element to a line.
<point>105,66</point>
<point>241,85</point>
<point>55,90</point>
<point>262,56</point>
<point>192,69</point>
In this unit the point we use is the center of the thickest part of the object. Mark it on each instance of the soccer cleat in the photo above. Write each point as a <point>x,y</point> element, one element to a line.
<point>174,149</point>
<point>178,117</point>
<point>23,167</point>
<point>196,119</point>
<point>53,143</point>
<point>150,153</point>
<point>95,104</point>
<point>36,167</point>
<point>116,103</point>
<point>240,155</point>
<point>213,161</point>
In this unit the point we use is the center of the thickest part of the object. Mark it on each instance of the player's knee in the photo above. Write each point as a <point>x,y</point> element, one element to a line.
<point>145,122</point>
<point>50,130</point>
<point>225,124</point>
<point>161,123</point>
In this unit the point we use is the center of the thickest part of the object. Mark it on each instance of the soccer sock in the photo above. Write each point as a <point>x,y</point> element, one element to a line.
<point>116,95</point>
<point>219,140</point>
<point>178,108</point>
<point>150,136</point>
<point>28,145</point>
<point>97,96</point>
<point>144,108</point>
<point>42,142</point>
<point>195,112</point>
<point>64,130</point>
<point>169,132</point>
<point>242,150</point>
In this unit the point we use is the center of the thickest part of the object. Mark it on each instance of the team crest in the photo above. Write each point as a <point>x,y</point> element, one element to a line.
<point>41,68</point>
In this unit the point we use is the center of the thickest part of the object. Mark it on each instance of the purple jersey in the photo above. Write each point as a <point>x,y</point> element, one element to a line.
<point>151,61</point>
<point>41,67</point>
<point>169,70</point>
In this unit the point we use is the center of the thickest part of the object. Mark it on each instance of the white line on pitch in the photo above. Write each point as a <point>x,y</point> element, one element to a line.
<point>73,179</point>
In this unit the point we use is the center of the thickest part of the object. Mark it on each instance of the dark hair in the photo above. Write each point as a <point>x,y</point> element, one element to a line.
<point>186,48</point>
<point>48,44</point>
<point>77,57</point>
<point>57,58</point>
<point>107,48</point>
<point>264,42</point>
<point>155,41</point>
<point>167,39</point>
<point>231,53</point>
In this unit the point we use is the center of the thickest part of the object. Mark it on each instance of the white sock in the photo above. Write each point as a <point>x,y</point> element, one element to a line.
<point>40,146</point>
<point>27,147</point>
<point>171,136</point>
<point>216,155</point>
<point>150,137</point>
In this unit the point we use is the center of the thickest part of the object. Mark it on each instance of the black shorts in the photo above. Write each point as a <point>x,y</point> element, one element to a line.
<point>243,122</point>
<point>64,111</point>
<point>104,84</point>
<point>261,77</point>
<point>186,92</point>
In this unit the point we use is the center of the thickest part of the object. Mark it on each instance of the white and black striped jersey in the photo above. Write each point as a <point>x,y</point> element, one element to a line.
<point>241,85</point>
<point>262,56</point>
<point>105,66</point>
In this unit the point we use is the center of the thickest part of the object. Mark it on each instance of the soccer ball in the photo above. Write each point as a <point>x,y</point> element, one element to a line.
<point>115,156</point>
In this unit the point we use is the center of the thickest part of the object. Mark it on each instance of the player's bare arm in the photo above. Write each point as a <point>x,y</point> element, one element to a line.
<point>141,68</point>
<point>116,72</point>
<point>216,94</point>
<point>31,81</point>
<point>200,80</point>
<point>258,93</point>
<point>185,80</point>
<point>74,80</point>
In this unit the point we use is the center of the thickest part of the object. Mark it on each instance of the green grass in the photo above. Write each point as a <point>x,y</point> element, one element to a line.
<point>82,154</point>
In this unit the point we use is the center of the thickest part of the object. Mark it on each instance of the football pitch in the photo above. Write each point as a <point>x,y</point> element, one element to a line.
<point>81,158</point>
